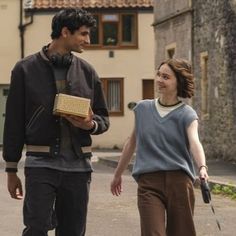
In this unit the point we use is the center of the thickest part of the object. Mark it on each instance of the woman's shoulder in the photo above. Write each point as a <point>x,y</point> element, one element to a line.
<point>189,114</point>
<point>188,109</point>
<point>144,103</point>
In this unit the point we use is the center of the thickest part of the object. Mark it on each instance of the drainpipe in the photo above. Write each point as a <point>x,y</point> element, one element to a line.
<point>22,28</point>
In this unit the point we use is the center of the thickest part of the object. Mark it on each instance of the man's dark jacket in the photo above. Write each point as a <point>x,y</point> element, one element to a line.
<point>29,109</point>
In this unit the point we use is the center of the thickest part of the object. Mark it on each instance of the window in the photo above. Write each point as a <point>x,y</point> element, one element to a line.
<point>171,53</point>
<point>114,92</point>
<point>128,29</point>
<point>115,31</point>
<point>204,85</point>
<point>170,50</point>
<point>94,34</point>
<point>5,92</point>
<point>110,30</point>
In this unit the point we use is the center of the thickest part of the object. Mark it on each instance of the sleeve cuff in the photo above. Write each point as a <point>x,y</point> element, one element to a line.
<point>95,128</point>
<point>11,167</point>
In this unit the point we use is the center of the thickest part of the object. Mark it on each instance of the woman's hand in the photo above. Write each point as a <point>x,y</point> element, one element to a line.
<point>197,150</point>
<point>127,153</point>
<point>116,186</point>
<point>203,173</point>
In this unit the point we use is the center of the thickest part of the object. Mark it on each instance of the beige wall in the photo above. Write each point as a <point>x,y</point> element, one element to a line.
<point>10,39</point>
<point>132,65</point>
<point>38,34</point>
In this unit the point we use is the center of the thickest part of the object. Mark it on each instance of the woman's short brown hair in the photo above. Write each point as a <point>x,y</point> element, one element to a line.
<point>184,76</point>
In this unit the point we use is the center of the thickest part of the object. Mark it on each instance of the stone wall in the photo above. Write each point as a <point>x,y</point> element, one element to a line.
<point>214,32</point>
<point>166,8</point>
<point>200,27</point>
<point>172,26</point>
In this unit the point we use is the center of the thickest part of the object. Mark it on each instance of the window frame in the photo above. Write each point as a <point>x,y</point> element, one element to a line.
<point>120,45</point>
<point>105,81</point>
<point>169,49</point>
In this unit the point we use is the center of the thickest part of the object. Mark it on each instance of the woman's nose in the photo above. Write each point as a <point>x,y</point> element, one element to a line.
<point>158,78</point>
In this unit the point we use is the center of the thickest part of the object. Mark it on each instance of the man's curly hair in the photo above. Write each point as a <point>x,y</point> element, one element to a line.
<point>183,72</point>
<point>73,19</point>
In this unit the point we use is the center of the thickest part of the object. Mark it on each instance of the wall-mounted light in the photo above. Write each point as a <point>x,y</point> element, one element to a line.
<point>131,105</point>
<point>111,54</point>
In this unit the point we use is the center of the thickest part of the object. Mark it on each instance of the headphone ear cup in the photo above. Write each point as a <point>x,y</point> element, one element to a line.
<point>66,60</point>
<point>61,61</point>
<point>54,59</point>
<point>58,60</point>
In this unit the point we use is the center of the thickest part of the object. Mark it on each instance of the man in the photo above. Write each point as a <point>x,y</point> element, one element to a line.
<point>58,149</point>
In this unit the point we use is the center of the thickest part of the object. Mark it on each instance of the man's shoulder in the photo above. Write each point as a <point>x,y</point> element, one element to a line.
<point>83,63</point>
<point>27,60</point>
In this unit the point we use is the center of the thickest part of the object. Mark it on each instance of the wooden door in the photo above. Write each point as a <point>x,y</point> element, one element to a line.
<point>148,88</point>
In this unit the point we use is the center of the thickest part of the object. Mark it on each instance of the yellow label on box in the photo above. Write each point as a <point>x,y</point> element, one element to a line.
<point>72,105</point>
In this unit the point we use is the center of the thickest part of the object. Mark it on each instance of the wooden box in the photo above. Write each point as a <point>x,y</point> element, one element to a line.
<point>71,105</point>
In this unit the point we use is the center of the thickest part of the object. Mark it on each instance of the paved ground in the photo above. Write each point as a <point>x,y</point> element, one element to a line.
<point>118,216</point>
<point>220,171</point>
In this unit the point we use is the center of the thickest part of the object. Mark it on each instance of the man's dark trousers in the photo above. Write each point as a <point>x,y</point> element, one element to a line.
<point>55,199</point>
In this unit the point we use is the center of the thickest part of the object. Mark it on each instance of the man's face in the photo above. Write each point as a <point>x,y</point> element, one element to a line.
<point>78,40</point>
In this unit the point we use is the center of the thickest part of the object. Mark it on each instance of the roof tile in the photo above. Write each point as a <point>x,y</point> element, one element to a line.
<point>46,4</point>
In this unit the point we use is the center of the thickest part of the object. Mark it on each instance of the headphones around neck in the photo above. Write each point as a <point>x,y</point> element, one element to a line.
<point>58,60</point>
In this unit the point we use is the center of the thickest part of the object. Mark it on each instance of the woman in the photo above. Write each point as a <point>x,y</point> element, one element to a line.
<point>166,141</point>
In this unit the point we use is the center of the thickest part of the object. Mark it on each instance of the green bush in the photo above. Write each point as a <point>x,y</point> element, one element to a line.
<point>228,190</point>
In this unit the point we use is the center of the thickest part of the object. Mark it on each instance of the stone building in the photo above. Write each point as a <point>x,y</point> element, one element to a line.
<point>204,32</point>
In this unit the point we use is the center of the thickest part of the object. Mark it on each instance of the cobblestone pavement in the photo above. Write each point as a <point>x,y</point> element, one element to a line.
<point>118,216</point>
